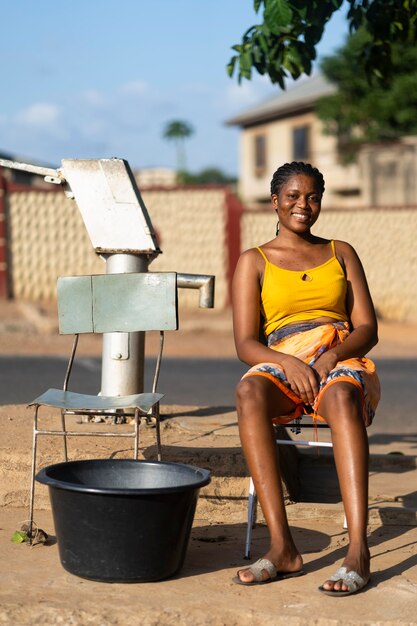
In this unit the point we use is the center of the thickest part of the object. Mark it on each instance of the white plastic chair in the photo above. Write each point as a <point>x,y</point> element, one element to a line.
<point>108,303</point>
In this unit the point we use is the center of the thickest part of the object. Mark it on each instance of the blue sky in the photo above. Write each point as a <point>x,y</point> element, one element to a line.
<point>100,78</point>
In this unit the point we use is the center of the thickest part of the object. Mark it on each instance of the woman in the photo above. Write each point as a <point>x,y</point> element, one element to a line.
<point>320,322</point>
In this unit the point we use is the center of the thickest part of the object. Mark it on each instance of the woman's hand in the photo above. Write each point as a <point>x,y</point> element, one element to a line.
<point>324,365</point>
<point>302,378</point>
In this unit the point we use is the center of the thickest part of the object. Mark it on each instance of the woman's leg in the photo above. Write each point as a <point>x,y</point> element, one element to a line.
<point>341,406</point>
<point>258,402</point>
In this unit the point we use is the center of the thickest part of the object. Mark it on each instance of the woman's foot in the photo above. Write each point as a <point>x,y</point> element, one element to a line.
<point>358,564</point>
<point>284,564</point>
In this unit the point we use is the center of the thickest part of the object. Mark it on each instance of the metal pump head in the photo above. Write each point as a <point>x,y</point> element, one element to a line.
<point>111,206</point>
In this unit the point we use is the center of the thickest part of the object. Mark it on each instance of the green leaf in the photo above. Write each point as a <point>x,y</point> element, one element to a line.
<point>257,55</point>
<point>257,4</point>
<point>19,537</point>
<point>378,73</point>
<point>312,35</point>
<point>277,14</point>
<point>245,65</point>
<point>230,67</point>
<point>263,44</point>
<point>279,78</point>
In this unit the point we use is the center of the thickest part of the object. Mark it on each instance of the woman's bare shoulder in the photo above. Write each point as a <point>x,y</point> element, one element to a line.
<point>250,261</point>
<point>348,257</point>
<point>251,255</point>
<point>345,249</point>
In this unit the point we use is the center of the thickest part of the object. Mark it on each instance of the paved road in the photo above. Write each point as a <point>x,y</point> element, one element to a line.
<point>184,381</point>
<point>203,382</point>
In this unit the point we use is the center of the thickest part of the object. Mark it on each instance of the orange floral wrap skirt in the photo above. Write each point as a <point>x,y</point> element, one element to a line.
<point>308,341</point>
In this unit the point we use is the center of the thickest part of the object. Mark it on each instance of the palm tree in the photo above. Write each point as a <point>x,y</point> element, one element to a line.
<point>178,131</point>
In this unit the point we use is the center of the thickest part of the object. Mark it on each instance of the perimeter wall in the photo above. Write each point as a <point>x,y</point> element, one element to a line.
<point>201,231</point>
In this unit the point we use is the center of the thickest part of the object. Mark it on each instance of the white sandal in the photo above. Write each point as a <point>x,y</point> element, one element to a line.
<point>265,565</point>
<point>351,579</point>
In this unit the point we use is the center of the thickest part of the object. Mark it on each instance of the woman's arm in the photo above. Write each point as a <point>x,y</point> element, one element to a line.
<point>361,313</point>
<point>246,296</point>
<point>246,300</point>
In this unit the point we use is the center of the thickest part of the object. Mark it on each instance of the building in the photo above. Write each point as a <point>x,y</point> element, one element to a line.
<point>155,177</point>
<point>286,128</point>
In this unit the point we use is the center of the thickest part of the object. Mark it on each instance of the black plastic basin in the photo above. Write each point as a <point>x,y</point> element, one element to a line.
<point>120,520</point>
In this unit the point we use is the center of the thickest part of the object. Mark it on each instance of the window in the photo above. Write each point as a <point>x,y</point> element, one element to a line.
<point>260,154</point>
<point>301,143</point>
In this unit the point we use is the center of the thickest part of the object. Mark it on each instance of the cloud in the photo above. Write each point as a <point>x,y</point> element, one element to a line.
<point>248,93</point>
<point>127,121</point>
<point>135,88</point>
<point>40,115</point>
<point>93,98</point>
<point>198,89</point>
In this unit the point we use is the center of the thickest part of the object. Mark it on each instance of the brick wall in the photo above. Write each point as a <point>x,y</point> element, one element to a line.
<point>191,228</point>
<point>47,239</point>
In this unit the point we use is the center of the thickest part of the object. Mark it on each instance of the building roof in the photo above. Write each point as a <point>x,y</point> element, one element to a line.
<point>301,97</point>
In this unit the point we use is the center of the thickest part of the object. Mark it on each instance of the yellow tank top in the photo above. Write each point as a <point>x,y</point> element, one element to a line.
<point>289,296</point>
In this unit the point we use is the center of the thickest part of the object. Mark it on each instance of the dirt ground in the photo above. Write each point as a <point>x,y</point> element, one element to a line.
<point>36,589</point>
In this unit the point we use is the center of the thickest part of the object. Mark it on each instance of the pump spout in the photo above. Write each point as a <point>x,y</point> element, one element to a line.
<point>203,282</point>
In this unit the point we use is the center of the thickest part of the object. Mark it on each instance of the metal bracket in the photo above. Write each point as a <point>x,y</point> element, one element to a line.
<point>119,346</point>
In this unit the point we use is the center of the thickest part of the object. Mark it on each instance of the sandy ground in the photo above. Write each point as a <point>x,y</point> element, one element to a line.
<point>35,588</point>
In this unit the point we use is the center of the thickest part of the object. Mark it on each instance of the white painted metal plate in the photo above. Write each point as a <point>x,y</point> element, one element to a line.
<point>111,205</point>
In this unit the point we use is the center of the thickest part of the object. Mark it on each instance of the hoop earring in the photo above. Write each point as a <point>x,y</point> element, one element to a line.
<point>277,229</point>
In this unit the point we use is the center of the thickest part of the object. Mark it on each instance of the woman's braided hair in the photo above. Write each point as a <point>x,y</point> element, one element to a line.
<point>287,170</point>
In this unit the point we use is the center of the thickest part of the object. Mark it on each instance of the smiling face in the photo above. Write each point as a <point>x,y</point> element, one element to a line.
<point>298,203</point>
